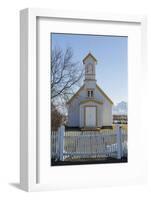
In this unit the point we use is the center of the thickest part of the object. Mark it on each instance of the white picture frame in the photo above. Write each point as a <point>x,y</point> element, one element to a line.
<point>29,148</point>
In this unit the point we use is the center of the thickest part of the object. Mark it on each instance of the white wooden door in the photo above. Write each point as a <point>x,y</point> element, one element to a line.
<point>90,114</point>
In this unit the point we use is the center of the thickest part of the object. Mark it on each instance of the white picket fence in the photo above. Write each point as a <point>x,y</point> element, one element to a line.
<point>88,144</point>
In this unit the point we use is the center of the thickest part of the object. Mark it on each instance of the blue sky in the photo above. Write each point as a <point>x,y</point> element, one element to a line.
<point>111,54</point>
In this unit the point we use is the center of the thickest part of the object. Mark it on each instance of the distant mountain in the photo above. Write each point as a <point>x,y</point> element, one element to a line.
<point>120,108</point>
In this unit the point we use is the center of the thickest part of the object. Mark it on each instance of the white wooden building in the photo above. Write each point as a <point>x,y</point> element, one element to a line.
<point>90,107</point>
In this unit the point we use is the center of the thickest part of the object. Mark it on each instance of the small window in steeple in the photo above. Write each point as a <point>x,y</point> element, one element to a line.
<point>90,93</point>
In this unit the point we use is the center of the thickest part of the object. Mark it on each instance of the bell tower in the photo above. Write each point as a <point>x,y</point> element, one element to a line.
<point>89,63</point>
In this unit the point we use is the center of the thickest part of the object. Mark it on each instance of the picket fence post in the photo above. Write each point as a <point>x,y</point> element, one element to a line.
<point>61,142</point>
<point>119,142</point>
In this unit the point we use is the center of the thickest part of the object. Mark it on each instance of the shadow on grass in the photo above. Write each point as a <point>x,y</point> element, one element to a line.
<point>84,162</point>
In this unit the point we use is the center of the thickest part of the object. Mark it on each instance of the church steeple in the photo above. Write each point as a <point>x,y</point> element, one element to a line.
<point>89,63</point>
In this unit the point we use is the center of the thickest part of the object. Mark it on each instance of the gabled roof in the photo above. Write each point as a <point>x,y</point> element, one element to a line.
<point>70,100</point>
<point>89,54</point>
<point>104,94</point>
<point>75,94</point>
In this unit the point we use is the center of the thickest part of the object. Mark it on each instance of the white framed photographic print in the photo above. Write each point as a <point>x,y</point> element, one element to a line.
<point>82,77</point>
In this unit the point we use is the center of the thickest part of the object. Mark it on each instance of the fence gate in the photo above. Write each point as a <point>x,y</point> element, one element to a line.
<point>68,145</point>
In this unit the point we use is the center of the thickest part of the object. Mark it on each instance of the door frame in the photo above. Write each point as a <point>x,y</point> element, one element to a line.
<point>85,114</point>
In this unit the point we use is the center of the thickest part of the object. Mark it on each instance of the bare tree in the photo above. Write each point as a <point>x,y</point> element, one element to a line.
<point>65,75</point>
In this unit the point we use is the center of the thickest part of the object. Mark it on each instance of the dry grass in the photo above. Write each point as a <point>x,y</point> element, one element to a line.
<point>123,126</point>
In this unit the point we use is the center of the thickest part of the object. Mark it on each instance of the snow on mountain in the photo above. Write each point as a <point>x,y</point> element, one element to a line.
<point>120,108</point>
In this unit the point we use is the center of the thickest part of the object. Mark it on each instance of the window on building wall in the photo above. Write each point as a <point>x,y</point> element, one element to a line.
<point>90,93</point>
